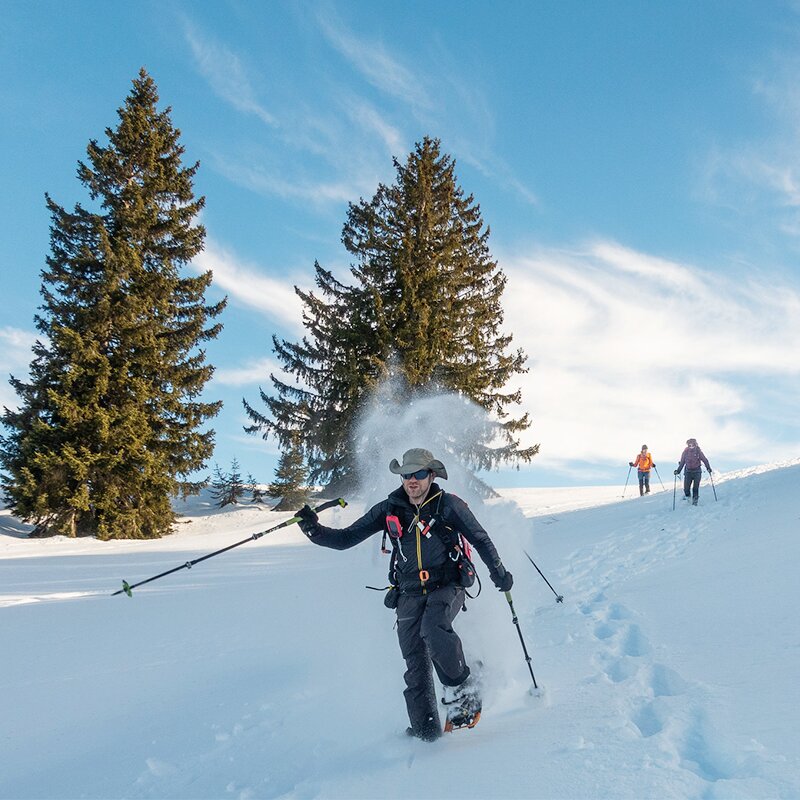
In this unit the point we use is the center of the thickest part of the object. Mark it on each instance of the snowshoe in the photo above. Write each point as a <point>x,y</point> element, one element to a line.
<point>463,705</point>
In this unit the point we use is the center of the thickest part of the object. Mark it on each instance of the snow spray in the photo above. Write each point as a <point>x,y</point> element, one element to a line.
<point>448,423</point>
<point>444,423</point>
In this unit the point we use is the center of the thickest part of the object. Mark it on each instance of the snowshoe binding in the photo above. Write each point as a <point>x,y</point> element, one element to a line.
<point>463,705</point>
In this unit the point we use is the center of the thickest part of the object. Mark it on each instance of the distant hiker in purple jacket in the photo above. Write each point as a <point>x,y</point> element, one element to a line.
<point>691,458</point>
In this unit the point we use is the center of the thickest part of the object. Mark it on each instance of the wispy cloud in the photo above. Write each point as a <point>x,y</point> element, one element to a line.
<point>342,137</point>
<point>226,74</point>
<point>370,121</point>
<point>249,286</point>
<point>262,180</point>
<point>15,358</point>
<point>764,171</point>
<point>348,135</point>
<point>375,63</point>
<point>15,348</point>
<point>625,346</point>
<point>436,97</point>
<point>257,372</point>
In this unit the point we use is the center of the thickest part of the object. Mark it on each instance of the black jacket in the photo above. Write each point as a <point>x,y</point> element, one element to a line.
<point>420,561</point>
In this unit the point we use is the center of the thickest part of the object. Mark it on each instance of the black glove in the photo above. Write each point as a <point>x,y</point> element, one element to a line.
<point>308,520</point>
<point>630,463</point>
<point>654,466</point>
<point>502,578</point>
<point>710,470</point>
<point>392,597</point>
<point>676,472</point>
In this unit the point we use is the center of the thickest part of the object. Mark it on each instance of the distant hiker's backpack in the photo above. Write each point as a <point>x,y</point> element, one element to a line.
<point>694,458</point>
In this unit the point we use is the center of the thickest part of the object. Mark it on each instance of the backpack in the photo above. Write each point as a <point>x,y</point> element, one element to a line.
<point>459,550</point>
<point>694,457</point>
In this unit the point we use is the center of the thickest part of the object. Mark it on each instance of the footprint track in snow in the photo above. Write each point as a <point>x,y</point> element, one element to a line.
<point>661,705</point>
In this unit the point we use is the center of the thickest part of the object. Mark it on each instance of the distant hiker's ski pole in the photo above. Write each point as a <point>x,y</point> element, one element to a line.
<point>522,641</point>
<point>712,485</point>
<point>559,597</point>
<point>127,588</point>
<point>626,481</point>
<point>674,489</point>
<point>659,478</point>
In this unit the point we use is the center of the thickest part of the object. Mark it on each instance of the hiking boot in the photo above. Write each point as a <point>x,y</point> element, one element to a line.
<point>426,736</point>
<point>463,705</point>
<point>429,731</point>
<point>694,501</point>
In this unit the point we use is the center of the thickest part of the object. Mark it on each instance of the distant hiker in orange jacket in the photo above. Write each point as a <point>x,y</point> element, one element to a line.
<point>643,463</point>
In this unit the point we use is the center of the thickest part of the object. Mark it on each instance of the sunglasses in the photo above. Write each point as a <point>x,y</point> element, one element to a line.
<point>420,475</point>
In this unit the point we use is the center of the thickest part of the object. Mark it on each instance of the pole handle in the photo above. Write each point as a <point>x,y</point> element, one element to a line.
<point>340,501</point>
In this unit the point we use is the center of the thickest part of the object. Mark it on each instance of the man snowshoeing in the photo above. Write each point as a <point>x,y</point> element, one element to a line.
<point>428,574</point>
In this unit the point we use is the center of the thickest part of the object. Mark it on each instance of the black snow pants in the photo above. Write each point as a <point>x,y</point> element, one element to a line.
<point>425,631</point>
<point>691,482</point>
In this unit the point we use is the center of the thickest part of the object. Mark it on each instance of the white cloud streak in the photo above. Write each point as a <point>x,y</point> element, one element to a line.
<point>15,348</point>
<point>764,172</point>
<point>437,97</point>
<point>257,372</point>
<point>226,74</point>
<point>626,347</point>
<point>370,121</point>
<point>261,181</point>
<point>250,287</point>
<point>15,358</point>
<point>373,61</point>
<point>351,134</point>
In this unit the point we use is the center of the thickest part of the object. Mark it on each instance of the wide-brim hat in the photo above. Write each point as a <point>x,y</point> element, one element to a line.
<point>415,459</point>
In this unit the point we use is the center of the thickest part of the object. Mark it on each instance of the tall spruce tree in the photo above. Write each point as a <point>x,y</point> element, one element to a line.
<point>109,423</point>
<point>425,310</point>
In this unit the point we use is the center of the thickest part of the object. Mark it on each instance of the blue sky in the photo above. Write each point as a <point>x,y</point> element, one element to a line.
<point>638,165</point>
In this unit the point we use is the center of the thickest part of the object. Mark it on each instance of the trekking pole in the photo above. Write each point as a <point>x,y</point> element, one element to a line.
<point>659,478</point>
<point>522,641</point>
<point>712,486</point>
<point>674,489</point>
<point>559,597</point>
<point>626,481</point>
<point>127,588</point>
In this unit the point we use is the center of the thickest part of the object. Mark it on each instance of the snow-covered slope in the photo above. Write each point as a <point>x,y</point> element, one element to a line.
<point>670,670</point>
